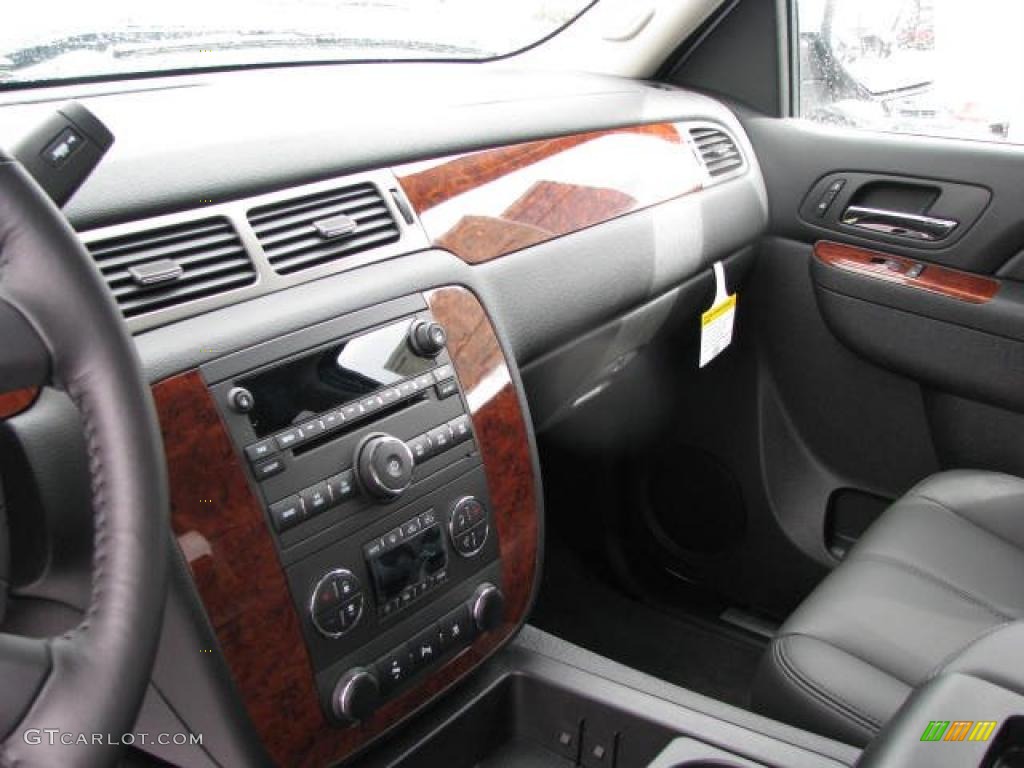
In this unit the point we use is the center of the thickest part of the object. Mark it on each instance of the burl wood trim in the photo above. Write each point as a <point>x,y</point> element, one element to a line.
<point>14,402</point>
<point>220,527</point>
<point>963,286</point>
<point>551,203</point>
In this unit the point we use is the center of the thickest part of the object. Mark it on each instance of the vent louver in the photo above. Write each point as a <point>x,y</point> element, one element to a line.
<point>717,149</point>
<point>159,268</point>
<point>303,232</point>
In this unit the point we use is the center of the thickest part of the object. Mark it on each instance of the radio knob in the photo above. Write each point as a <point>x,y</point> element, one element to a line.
<point>428,338</point>
<point>241,400</point>
<point>356,695</point>
<point>487,607</point>
<point>384,465</point>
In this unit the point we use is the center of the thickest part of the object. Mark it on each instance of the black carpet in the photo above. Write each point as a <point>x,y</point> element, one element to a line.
<point>578,605</point>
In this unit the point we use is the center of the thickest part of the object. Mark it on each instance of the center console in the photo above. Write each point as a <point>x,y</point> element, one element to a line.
<point>361,515</point>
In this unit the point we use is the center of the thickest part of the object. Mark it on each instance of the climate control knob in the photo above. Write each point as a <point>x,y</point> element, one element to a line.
<point>384,465</point>
<point>356,695</point>
<point>427,338</point>
<point>487,607</point>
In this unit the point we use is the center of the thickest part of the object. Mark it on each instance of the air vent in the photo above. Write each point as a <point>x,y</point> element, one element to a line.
<point>717,150</point>
<point>307,231</point>
<point>159,268</point>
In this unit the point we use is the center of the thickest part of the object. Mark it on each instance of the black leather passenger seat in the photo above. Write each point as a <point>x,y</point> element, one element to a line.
<point>940,570</point>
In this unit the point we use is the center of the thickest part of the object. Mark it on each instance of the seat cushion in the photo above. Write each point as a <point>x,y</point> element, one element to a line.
<point>943,567</point>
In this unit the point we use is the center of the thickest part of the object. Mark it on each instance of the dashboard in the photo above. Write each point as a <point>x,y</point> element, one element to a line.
<point>354,322</point>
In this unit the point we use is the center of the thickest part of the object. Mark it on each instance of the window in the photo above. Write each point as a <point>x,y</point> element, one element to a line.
<point>930,67</point>
<point>50,40</point>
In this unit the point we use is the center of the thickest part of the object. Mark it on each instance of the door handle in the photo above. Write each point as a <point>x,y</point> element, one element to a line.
<point>898,224</point>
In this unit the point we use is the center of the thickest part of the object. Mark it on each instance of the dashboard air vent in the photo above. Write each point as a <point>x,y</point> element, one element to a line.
<point>159,268</point>
<point>718,151</point>
<point>307,231</point>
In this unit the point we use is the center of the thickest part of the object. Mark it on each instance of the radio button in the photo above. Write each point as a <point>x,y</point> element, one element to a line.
<point>289,438</point>
<point>462,429</point>
<point>343,486</point>
<point>268,468</point>
<point>421,448</point>
<point>426,381</point>
<point>407,388</point>
<point>352,411</point>
<point>411,528</point>
<point>441,438</point>
<point>374,548</point>
<point>371,404</point>
<point>332,419</point>
<point>390,396</point>
<point>443,372</point>
<point>447,388</point>
<point>286,513</point>
<point>261,450</point>
<point>316,499</point>
<point>312,428</point>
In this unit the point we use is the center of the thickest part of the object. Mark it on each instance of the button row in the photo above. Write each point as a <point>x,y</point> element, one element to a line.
<point>439,440</point>
<point>455,630</point>
<point>442,377</point>
<point>393,538</point>
<point>312,501</point>
<point>413,593</point>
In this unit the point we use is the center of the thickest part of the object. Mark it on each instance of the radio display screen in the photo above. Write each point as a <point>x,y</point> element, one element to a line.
<point>299,389</point>
<point>407,564</point>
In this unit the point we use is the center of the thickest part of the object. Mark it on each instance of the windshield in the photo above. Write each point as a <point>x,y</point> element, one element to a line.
<point>63,39</point>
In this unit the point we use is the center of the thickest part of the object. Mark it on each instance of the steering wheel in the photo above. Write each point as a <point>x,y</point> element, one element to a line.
<point>68,700</point>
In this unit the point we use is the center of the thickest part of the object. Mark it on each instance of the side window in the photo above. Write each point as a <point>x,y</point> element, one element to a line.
<point>950,68</point>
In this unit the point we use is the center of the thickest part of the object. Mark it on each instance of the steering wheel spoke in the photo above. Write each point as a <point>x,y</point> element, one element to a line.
<point>24,360</point>
<point>24,667</point>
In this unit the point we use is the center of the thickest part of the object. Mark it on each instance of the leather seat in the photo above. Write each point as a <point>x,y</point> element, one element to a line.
<point>941,570</point>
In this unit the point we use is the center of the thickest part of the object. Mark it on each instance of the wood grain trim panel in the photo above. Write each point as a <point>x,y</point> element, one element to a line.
<point>487,204</point>
<point>220,527</point>
<point>14,402</point>
<point>963,286</point>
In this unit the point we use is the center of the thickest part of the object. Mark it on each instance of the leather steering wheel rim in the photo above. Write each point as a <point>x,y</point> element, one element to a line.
<point>60,326</point>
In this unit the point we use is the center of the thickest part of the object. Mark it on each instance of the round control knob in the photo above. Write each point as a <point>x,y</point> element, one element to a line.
<point>384,465</point>
<point>427,338</point>
<point>356,695</point>
<point>241,400</point>
<point>487,607</point>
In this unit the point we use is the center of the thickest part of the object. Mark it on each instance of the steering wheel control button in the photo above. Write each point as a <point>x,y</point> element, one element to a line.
<point>427,338</point>
<point>384,465</point>
<point>468,527</point>
<point>241,400</point>
<point>268,468</point>
<point>261,450</point>
<point>336,603</point>
<point>286,513</point>
<point>356,695</point>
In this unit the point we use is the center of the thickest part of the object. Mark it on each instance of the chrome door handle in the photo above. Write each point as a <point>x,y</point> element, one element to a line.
<point>928,228</point>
